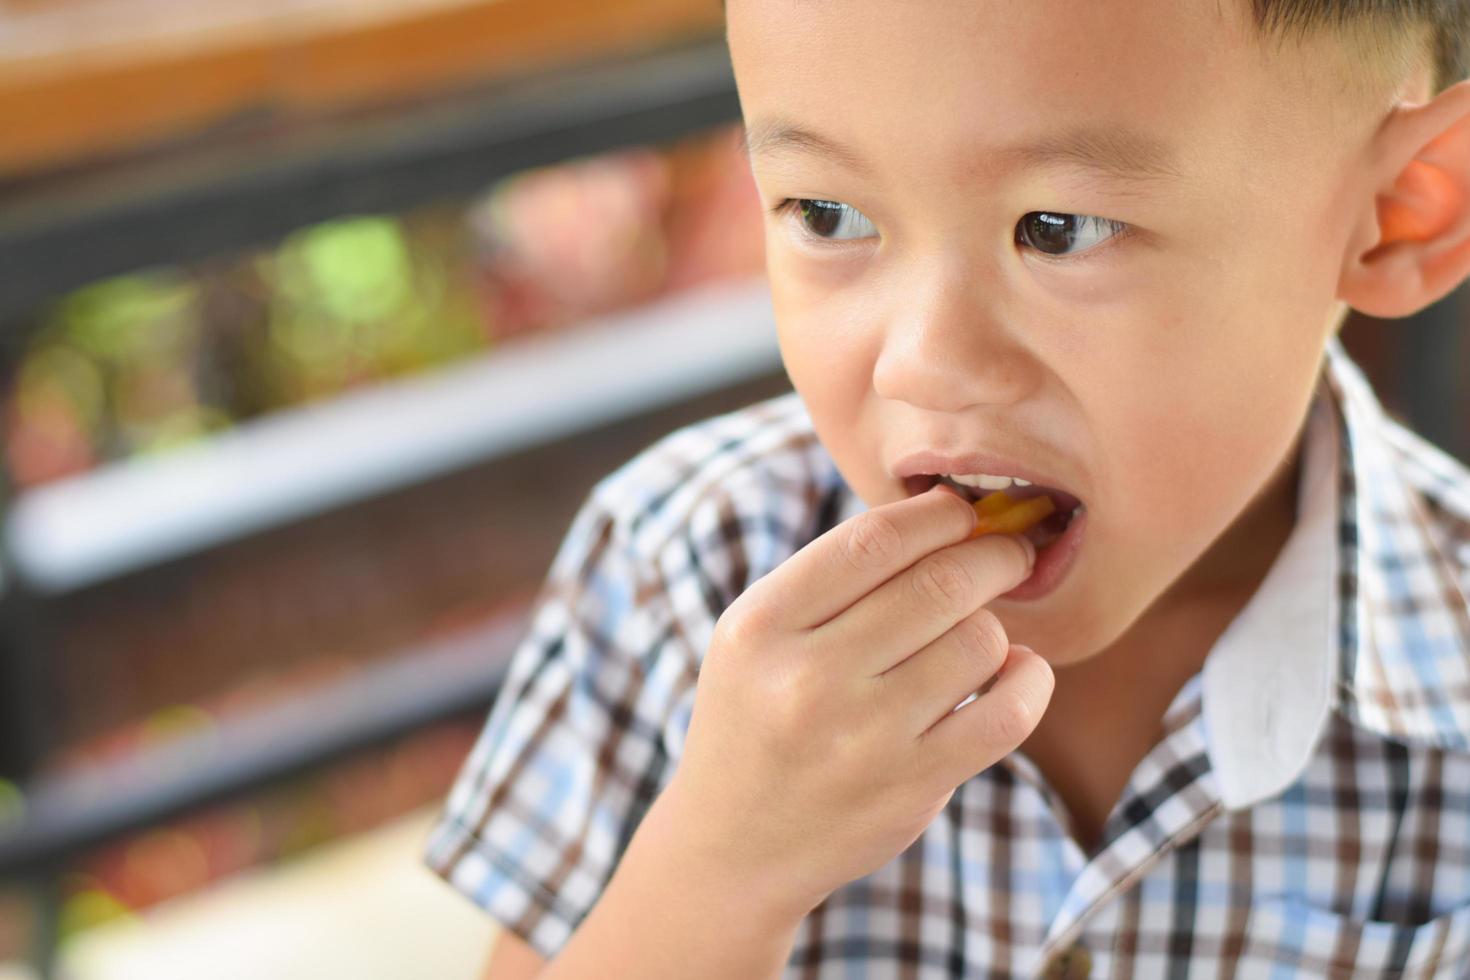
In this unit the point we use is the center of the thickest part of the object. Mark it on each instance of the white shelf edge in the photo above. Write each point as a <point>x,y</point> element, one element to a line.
<point>530,390</point>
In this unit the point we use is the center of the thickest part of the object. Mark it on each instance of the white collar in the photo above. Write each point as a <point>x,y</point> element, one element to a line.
<point>1267,682</point>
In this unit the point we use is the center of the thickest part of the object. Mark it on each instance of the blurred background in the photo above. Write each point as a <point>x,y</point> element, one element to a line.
<point>318,321</point>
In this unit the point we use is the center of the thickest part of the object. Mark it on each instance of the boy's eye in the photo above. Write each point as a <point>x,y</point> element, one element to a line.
<point>1050,232</point>
<point>830,220</point>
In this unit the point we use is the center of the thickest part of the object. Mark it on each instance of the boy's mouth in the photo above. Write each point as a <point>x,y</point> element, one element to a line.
<point>1043,534</point>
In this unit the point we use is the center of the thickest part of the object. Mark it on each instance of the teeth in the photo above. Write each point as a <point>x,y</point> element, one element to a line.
<point>1022,483</point>
<point>984,481</point>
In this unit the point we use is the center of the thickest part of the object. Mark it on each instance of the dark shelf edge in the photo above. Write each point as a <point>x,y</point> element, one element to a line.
<point>439,679</point>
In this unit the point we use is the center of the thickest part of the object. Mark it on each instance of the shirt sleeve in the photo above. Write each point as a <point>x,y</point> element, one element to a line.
<point>576,745</point>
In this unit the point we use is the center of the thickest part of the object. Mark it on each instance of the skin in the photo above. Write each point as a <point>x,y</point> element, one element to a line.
<point>1162,376</point>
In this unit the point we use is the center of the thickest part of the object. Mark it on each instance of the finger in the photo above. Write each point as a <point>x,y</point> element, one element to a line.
<point>977,735</point>
<point>928,685</point>
<point>838,568</point>
<point>924,602</point>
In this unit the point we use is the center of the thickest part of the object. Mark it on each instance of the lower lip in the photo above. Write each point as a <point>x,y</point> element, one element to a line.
<point>1052,564</point>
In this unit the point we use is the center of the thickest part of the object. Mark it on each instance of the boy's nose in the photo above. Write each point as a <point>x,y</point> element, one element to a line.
<point>948,360</point>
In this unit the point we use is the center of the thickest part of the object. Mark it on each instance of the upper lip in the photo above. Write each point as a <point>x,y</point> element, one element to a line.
<point>929,461</point>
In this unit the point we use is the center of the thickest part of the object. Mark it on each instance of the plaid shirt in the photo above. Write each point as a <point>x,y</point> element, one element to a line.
<point>1306,814</point>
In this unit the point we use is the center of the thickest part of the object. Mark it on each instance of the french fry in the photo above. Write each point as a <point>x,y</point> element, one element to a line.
<point>1009,516</point>
<point>994,503</point>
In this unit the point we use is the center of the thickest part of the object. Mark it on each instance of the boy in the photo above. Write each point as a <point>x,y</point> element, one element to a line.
<point>1213,719</point>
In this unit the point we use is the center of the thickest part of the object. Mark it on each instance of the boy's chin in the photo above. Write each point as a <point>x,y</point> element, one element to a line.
<point>1058,651</point>
<point>1061,629</point>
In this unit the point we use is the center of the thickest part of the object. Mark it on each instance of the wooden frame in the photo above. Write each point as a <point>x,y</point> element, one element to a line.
<point>81,79</point>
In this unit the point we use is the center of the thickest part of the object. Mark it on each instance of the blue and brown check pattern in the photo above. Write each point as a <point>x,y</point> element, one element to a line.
<point>1359,867</point>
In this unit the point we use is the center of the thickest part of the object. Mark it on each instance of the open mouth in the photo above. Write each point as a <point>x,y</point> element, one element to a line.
<point>1043,534</point>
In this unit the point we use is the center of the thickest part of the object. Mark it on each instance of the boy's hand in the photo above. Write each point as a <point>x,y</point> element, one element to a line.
<point>822,741</point>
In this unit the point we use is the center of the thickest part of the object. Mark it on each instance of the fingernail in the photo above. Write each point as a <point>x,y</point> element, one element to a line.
<point>1030,549</point>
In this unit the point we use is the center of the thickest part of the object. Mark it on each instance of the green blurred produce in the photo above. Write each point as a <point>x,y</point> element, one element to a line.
<point>162,357</point>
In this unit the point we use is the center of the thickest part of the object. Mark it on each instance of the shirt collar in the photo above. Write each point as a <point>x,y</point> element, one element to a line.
<point>1267,682</point>
<point>1363,611</point>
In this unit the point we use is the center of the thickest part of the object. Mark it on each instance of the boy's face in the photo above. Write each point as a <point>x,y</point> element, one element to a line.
<point>1149,342</point>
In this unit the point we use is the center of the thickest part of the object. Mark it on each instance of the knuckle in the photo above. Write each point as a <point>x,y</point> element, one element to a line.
<point>804,712</point>
<point>984,640</point>
<point>785,697</point>
<point>872,541</point>
<point>785,694</point>
<point>1046,681</point>
<point>740,627</point>
<point>1011,717</point>
<point>942,581</point>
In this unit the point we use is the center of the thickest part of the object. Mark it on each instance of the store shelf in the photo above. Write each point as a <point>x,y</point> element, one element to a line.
<point>64,231</point>
<point>438,679</point>
<point>373,107</point>
<point>527,391</point>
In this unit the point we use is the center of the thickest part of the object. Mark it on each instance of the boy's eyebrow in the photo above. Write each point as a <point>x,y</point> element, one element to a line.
<point>1121,154</point>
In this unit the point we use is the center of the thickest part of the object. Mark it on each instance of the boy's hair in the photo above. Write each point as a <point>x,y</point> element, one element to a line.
<point>1392,36</point>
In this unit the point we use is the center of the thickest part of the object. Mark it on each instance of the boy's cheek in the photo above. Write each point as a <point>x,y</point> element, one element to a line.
<point>1166,491</point>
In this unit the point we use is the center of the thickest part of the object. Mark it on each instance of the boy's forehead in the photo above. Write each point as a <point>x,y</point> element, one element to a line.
<point>1108,152</point>
<point>1120,89</point>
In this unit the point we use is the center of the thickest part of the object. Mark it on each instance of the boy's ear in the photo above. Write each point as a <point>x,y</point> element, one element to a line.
<point>1412,247</point>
